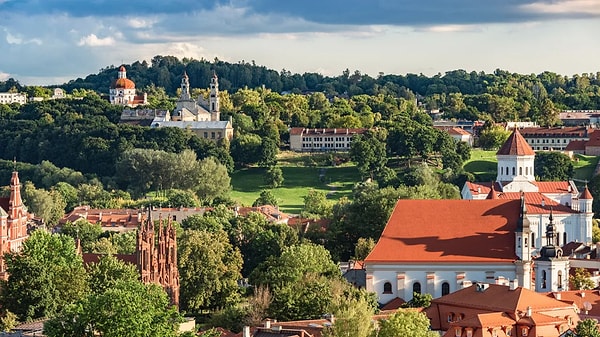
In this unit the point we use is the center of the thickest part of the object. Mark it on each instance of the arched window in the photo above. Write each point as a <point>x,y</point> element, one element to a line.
<point>417,288</point>
<point>527,170</point>
<point>564,238</point>
<point>532,239</point>
<point>560,279</point>
<point>543,279</point>
<point>445,288</point>
<point>520,171</point>
<point>507,170</point>
<point>514,170</point>
<point>387,288</point>
<point>501,170</point>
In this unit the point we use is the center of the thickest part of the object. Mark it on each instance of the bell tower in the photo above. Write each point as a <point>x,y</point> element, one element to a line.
<point>552,268</point>
<point>213,99</point>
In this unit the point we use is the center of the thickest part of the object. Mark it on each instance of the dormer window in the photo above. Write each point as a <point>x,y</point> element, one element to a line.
<point>451,317</point>
<point>457,331</point>
<point>524,331</point>
<point>469,332</point>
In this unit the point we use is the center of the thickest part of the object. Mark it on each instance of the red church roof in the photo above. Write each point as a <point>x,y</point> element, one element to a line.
<point>586,194</point>
<point>516,145</point>
<point>438,231</point>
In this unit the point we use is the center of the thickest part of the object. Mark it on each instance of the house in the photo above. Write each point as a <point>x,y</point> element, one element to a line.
<point>587,302</point>
<point>13,97</point>
<point>122,91</point>
<point>515,178</point>
<point>554,138</point>
<point>491,310</point>
<point>322,139</point>
<point>580,117</point>
<point>14,222</point>
<point>201,117</point>
<point>458,134</point>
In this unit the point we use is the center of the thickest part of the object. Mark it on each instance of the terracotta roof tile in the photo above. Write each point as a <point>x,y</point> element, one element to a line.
<point>533,200</point>
<point>586,195</point>
<point>393,304</point>
<point>562,131</point>
<point>575,297</point>
<point>576,145</point>
<point>515,145</point>
<point>452,231</point>
<point>486,320</point>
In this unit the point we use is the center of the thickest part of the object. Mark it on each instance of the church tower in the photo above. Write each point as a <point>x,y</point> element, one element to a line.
<point>523,248</point>
<point>586,214</point>
<point>515,164</point>
<point>552,268</point>
<point>213,99</point>
<point>185,88</point>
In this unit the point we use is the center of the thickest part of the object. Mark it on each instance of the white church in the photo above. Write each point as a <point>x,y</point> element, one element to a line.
<point>512,235</point>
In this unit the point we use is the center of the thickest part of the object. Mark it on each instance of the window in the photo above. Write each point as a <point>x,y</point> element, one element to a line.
<point>520,171</point>
<point>469,332</point>
<point>451,317</point>
<point>526,242</point>
<point>560,279</point>
<point>543,280</point>
<point>565,237</point>
<point>174,217</point>
<point>417,287</point>
<point>387,288</point>
<point>509,331</point>
<point>205,134</point>
<point>445,288</point>
<point>457,331</point>
<point>212,135</point>
<point>524,331</point>
<point>532,239</point>
<point>514,171</point>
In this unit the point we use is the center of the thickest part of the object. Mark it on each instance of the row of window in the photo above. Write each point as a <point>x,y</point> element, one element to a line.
<point>212,135</point>
<point>528,170</point>
<point>387,288</point>
<point>559,281</point>
<point>547,141</point>
<point>526,242</point>
<point>326,145</point>
<point>326,139</point>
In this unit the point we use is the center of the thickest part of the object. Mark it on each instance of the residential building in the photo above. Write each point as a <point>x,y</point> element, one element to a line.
<point>580,117</point>
<point>143,117</point>
<point>458,134</point>
<point>122,91</point>
<point>13,97</point>
<point>14,222</point>
<point>492,310</point>
<point>322,139</point>
<point>554,138</point>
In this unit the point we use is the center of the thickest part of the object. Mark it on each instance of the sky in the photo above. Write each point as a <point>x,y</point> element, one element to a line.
<point>46,42</point>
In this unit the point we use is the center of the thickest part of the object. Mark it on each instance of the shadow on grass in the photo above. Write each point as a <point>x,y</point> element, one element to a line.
<point>481,166</point>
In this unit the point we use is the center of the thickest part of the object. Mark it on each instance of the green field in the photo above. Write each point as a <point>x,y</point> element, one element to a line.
<point>483,165</point>
<point>336,181</point>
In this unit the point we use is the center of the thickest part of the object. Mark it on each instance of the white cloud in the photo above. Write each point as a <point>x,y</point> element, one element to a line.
<point>3,76</point>
<point>591,7</point>
<point>141,22</point>
<point>448,28</point>
<point>17,39</point>
<point>93,41</point>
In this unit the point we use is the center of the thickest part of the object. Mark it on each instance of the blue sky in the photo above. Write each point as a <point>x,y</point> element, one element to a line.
<point>52,41</point>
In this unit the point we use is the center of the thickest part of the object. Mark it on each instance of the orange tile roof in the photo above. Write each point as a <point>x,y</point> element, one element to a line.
<point>516,145</point>
<point>453,130</point>
<point>499,298</point>
<point>486,320</point>
<point>533,200</point>
<point>559,131</point>
<point>543,187</point>
<point>586,195</point>
<point>594,139</point>
<point>575,297</point>
<point>439,231</point>
<point>123,83</point>
<point>576,145</point>
<point>393,304</point>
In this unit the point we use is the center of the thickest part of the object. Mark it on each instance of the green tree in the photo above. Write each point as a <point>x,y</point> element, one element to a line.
<point>83,230</point>
<point>265,198</point>
<point>128,308</point>
<point>268,152</point>
<point>352,318</point>
<point>493,137</point>
<point>213,180</point>
<point>316,205</point>
<point>409,323</point>
<point>273,177</point>
<point>587,328</point>
<point>553,166</point>
<point>581,280</point>
<point>209,268</point>
<point>108,272</point>
<point>362,248</point>
<point>419,301</point>
<point>49,206</point>
<point>44,277</point>
<point>8,321</point>
<point>181,198</point>
<point>368,152</point>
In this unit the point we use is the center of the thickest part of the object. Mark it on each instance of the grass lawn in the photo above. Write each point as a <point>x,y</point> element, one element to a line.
<point>336,181</point>
<point>483,165</point>
<point>584,166</point>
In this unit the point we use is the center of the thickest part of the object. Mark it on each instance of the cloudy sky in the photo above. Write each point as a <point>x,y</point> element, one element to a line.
<point>52,41</point>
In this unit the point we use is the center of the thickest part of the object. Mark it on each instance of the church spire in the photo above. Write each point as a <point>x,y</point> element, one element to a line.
<point>185,87</point>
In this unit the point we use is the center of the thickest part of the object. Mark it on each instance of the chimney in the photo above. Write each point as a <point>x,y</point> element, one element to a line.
<point>582,294</point>
<point>246,331</point>
<point>267,324</point>
<point>543,203</point>
<point>558,296</point>
<point>529,311</point>
<point>514,284</point>
<point>479,189</point>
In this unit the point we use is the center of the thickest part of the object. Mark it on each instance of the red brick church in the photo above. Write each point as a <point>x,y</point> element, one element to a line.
<point>14,220</point>
<point>157,259</point>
